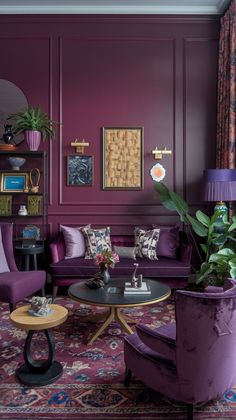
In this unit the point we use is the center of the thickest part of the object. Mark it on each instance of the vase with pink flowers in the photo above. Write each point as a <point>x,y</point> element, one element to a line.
<point>104,260</point>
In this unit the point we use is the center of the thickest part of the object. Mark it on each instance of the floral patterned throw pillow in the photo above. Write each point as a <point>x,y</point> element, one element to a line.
<point>96,240</point>
<point>146,243</point>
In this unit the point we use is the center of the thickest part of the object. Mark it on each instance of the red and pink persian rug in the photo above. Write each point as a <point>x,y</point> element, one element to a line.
<point>91,386</point>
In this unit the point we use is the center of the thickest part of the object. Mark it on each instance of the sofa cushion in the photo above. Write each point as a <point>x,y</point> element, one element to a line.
<point>168,241</point>
<point>96,240</point>
<point>146,243</point>
<point>82,267</point>
<point>3,261</point>
<point>125,251</point>
<point>74,241</point>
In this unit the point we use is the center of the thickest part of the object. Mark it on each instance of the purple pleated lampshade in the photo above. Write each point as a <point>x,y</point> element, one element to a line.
<point>219,185</point>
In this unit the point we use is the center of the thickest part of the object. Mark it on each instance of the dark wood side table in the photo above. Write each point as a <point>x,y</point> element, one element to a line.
<point>30,252</point>
<point>39,372</point>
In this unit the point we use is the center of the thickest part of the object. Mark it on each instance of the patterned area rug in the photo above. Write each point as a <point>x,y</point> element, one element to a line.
<point>91,386</point>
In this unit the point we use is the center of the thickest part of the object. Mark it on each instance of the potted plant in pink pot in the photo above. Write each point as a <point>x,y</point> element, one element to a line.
<point>35,125</point>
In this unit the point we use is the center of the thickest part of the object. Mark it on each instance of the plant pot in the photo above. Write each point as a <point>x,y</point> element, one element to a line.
<point>33,139</point>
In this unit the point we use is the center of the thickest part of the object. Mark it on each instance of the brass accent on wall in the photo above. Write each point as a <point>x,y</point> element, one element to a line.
<point>159,152</point>
<point>79,145</point>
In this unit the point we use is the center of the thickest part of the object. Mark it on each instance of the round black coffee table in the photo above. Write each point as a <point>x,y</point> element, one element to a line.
<point>112,296</point>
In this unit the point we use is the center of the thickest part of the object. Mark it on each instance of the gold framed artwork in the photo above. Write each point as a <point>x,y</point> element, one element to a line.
<point>14,182</point>
<point>122,158</point>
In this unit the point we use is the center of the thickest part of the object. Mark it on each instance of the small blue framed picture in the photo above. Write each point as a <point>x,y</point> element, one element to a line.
<point>12,182</point>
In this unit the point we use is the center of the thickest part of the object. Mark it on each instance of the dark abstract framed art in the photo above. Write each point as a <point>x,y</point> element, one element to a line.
<point>79,170</point>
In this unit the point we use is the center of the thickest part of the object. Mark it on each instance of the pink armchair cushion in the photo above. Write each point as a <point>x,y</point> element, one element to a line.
<point>3,261</point>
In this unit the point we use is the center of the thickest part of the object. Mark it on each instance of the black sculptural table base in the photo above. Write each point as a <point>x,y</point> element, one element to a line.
<point>39,372</point>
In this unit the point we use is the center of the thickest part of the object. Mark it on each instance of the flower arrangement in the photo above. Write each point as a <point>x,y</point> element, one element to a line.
<point>106,259</point>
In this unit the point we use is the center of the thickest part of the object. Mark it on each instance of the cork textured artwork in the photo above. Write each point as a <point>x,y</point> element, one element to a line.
<point>122,158</point>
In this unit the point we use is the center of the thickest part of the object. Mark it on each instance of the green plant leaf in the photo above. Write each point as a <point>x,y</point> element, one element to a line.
<point>233,273</point>
<point>232,262</point>
<point>227,252</point>
<point>204,247</point>
<point>232,227</point>
<point>217,257</point>
<point>180,204</point>
<point>203,218</point>
<point>205,270</point>
<point>198,228</point>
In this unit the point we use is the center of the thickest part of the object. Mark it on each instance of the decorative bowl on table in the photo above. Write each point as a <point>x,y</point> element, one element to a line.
<point>16,162</point>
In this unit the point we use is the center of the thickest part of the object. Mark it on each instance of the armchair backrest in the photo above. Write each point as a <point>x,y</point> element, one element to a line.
<point>206,342</point>
<point>7,240</point>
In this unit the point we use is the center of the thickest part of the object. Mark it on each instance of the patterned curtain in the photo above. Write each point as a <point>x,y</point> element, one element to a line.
<point>226,99</point>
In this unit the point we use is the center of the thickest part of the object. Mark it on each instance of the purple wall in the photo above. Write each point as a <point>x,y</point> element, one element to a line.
<point>89,72</point>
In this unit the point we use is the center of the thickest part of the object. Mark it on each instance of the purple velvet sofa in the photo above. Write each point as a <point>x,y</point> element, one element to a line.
<point>173,271</point>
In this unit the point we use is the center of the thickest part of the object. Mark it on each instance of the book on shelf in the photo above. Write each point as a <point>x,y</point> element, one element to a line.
<point>143,290</point>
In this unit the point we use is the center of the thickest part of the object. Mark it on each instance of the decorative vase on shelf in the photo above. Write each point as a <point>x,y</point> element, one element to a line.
<point>33,139</point>
<point>8,135</point>
<point>105,273</point>
<point>22,211</point>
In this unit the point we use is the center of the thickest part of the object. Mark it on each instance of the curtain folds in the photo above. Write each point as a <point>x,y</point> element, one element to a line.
<point>226,97</point>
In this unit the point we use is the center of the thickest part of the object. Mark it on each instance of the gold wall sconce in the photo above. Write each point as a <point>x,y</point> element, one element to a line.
<point>79,145</point>
<point>159,152</point>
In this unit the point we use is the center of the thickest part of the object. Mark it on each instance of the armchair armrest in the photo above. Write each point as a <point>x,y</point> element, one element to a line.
<point>161,340</point>
<point>57,249</point>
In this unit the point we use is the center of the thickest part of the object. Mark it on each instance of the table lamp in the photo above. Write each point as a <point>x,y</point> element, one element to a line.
<point>219,185</point>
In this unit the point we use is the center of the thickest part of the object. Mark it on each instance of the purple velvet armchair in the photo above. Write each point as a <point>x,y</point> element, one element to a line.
<point>192,360</point>
<point>15,285</point>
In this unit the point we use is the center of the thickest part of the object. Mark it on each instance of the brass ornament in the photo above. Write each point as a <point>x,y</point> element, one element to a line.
<point>34,178</point>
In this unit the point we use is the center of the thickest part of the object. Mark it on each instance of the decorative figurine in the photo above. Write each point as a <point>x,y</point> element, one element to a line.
<point>134,278</point>
<point>8,135</point>
<point>39,306</point>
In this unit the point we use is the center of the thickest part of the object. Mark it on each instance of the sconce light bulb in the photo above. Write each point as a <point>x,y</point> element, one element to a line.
<point>158,172</point>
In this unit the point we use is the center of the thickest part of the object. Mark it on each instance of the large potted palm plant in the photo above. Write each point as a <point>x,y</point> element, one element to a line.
<point>35,124</point>
<point>217,238</point>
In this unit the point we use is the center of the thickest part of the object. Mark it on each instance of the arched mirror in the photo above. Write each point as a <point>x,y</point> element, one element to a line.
<point>12,100</point>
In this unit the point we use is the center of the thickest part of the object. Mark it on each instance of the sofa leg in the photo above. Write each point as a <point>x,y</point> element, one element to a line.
<point>54,292</point>
<point>190,411</point>
<point>12,307</point>
<point>128,375</point>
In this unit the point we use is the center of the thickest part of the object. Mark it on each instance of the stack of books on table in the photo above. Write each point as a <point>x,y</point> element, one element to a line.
<point>143,290</point>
